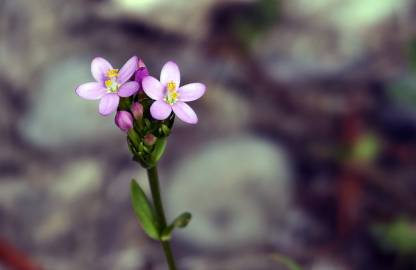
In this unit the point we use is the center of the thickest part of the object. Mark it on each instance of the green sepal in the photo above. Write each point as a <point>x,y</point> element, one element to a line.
<point>144,211</point>
<point>158,149</point>
<point>124,104</point>
<point>180,222</point>
<point>133,137</point>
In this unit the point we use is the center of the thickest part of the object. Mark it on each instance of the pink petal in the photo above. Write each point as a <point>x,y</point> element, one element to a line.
<point>160,110</point>
<point>99,69</point>
<point>191,92</point>
<point>128,70</point>
<point>152,87</point>
<point>170,73</point>
<point>185,112</point>
<point>108,104</point>
<point>128,89</point>
<point>91,90</point>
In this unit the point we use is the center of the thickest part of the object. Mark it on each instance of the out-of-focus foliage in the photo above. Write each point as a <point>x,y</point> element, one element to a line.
<point>399,236</point>
<point>366,148</point>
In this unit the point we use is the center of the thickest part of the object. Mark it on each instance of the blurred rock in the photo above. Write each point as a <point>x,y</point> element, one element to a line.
<point>239,262</point>
<point>129,259</point>
<point>325,37</point>
<point>298,233</point>
<point>184,17</point>
<point>59,118</point>
<point>55,225</point>
<point>118,189</point>
<point>79,179</point>
<point>226,111</point>
<point>327,264</point>
<point>235,189</point>
<point>11,191</point>
<point>338,13</point>
<point>76,183</point>
<point>29,36</point>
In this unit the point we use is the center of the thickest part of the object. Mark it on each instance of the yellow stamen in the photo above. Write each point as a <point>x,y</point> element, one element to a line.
<point>112,73</point>
<point>172,95</point>
<point>171,86</point>
<point>108,83</point>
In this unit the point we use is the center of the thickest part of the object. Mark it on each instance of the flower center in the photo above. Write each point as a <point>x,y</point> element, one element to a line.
<point>172,94</point>
<point>111,84</point>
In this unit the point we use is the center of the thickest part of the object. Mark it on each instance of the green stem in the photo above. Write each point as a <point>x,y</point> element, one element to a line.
<point>157,201</point>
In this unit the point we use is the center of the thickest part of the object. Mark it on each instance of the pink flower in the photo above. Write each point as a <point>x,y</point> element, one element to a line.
<point>169,96</point>
<point>110,84</point>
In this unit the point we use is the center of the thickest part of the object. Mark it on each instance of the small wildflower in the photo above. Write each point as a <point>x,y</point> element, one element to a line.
<point>110,84</point>
<point>124,120</point>
<point>137,110</point>
<point>169,96</point>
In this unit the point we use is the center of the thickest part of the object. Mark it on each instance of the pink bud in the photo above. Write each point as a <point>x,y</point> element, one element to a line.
<point>141,72</point>
<point>150,139</point>
<point>124,120</point>
<point>137,110</point>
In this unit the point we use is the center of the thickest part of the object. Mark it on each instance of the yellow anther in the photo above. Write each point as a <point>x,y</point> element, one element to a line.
<point>171,86</point>
<point>112,73</point>
<point>108,83</point>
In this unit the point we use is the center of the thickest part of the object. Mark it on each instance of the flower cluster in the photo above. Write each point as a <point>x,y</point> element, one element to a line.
<point>145,106</point>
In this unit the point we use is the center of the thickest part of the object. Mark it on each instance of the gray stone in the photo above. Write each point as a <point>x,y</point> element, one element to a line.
<point>166,14</point>
<point>11,191</point>
<point>130,258</point>
<point>226,111</point>
<point>325,39</point>
<point>249,261</point>
<point>78,180</point>
<point>327,264</point>
<point>118,189</point>
<point>234,188</point>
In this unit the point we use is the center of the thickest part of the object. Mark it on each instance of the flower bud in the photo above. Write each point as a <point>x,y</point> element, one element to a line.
<point>124,120</point>
<point>141,72</point>
<point>150,139</point>
<point>137,110</point>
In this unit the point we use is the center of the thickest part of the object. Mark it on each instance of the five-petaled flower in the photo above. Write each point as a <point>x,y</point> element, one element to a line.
<point>110,84</point>
<point>169,96</point>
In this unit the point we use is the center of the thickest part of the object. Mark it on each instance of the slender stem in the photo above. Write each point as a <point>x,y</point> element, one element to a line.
<point>157,201</point>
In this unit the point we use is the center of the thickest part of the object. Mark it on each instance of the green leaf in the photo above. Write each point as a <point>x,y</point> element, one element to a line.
<point>286,261</point>
<point>180,222</point>
<point>144,211</point>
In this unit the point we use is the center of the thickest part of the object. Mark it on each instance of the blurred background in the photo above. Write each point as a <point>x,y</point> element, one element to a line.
<point>306,145</point>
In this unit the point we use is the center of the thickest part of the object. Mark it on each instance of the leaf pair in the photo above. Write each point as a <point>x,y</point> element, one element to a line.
<point>148,218</point>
